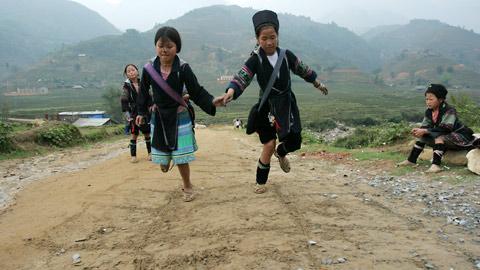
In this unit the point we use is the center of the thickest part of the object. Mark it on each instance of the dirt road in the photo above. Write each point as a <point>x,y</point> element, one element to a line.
<point>118,215</point>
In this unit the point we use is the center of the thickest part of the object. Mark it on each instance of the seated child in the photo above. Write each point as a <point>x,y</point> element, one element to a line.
<point>441,129</point>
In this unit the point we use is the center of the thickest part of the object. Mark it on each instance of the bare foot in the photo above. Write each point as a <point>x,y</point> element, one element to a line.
<point>434,169</point>
<point>406,163</point>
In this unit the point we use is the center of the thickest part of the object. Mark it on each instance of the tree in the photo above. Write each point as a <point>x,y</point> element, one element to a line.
<point>5,111</point>
<point>111,99</point>
<point>467,109</point>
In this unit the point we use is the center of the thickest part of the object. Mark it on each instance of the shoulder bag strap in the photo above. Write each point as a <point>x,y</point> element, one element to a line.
<point>163,84</point>
<point>273,77</point>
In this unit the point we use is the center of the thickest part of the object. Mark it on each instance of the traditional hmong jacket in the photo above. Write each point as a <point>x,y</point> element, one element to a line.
<point>447,122</point>
<point>181,76</point>
<point>282,101</point>
<point>128,99</point>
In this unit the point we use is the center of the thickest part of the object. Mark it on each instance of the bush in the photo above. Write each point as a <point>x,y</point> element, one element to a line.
<point>468,111</point>
<point>366,121</point>
<point>309,137</point>
<point>103,133</point>
<point>322,125</point>
<point>6,143</point>
<point>383,134</point>
<point>59,134</point>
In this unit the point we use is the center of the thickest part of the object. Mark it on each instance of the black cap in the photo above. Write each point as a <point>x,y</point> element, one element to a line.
<point>265,17</point>
<point>438,90</point>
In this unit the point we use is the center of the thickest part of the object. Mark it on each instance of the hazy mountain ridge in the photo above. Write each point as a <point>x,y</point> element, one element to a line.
<point>29,29</point>
<point>458,44</point>
<point>218,39</point>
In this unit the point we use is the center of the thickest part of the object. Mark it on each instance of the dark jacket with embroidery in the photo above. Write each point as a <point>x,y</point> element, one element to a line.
<point>166,127</point>
<point>282,101</point>
<point>128,99</point>
<point>447,122</point>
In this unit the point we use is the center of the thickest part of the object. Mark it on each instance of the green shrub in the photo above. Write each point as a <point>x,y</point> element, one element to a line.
<point>383,134</point>
<point>309,137</point>
<point>321,125</point>
<point>6,144</point>
<point>468,111</point>
<point>366,121</point>
<point>59,134</point>
<point>103,132</point>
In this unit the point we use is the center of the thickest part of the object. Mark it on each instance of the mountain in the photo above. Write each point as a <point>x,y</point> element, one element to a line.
<point>29,29</point>
<point>216,40</point>
<point>455,43</point>
<point>422,68</point>
<point>379,30</point>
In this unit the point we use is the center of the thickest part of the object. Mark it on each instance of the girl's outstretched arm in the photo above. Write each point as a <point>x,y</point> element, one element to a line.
<point>197,93</point>
<point>304,71</point>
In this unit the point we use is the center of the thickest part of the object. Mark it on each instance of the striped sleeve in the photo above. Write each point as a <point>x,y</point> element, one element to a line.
<point>300,68</point>
<point>244,77</point>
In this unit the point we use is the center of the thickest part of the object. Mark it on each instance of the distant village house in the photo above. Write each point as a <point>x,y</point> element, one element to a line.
<point>86,119</point>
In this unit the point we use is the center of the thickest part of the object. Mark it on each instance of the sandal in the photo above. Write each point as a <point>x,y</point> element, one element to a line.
<point>284,163</point>
<point>188,196</point>
<point>259,189</point>
<point>166,168</point>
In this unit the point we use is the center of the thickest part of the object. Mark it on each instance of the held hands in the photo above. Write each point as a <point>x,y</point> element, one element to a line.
<point>223,99</point>
<point>218,101</point>
<point>320,86</point>
<point>227,97</point>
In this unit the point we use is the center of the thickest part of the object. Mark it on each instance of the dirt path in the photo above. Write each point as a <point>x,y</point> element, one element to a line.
<point>118,215</point>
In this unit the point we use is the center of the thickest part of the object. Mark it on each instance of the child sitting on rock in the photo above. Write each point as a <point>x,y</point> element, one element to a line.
<point>441,129</point>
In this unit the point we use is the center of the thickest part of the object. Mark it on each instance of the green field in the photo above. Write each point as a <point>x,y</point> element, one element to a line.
<point>346,102</point>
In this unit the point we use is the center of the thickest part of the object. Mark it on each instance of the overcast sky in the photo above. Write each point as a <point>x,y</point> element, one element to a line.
<point>358,15</point>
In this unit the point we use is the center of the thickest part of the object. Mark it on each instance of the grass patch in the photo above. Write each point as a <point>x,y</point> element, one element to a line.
<point>377,154</point>
<point>54,136</point>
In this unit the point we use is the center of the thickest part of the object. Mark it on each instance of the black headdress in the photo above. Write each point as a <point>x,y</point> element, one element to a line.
<point>438,90</point>
<point>265,17</point>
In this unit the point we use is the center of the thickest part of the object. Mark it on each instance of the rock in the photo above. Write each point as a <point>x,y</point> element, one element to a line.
<point>473,158</point>
<point>327,261</point>
<point>311,242</point>
<point>450,157</point>
<point>76,258</point>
